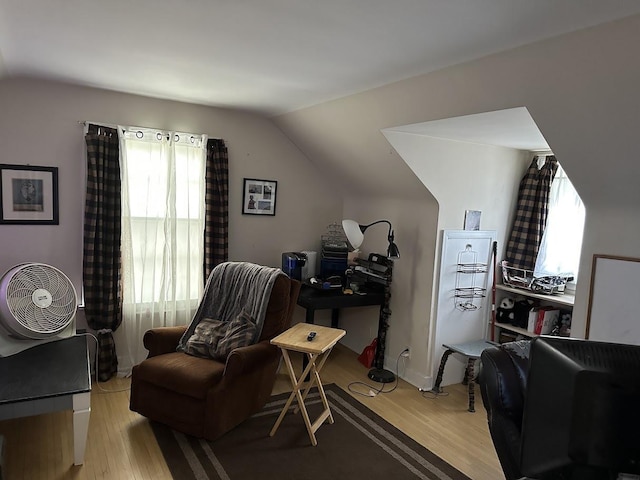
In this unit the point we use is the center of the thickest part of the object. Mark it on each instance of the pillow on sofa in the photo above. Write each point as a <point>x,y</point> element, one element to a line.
<point>205,339</point>
<point>216,339</point>
<point>241,332</point>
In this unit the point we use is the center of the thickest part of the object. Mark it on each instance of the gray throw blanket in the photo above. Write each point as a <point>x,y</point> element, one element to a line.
<point>234,287</point>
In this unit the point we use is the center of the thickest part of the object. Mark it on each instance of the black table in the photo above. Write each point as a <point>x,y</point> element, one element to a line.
<point>313,299</point>
<point>47,378</point>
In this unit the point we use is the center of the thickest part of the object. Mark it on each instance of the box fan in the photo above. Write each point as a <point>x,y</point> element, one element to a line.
<point>38,304</point>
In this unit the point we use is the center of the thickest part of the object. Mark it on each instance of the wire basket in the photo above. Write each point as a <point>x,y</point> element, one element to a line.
<point>524,279</point>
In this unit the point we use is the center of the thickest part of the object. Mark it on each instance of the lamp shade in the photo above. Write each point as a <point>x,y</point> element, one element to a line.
<point>353,232</point>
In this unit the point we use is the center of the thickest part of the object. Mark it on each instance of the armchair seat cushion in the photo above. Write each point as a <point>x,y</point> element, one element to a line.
<point>191,376</point>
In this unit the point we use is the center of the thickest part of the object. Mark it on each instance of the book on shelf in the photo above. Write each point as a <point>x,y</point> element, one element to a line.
<point>541,320</point>
<point>532,319</point>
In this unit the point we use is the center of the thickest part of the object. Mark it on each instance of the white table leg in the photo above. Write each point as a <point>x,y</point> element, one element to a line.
<point>81,413</point>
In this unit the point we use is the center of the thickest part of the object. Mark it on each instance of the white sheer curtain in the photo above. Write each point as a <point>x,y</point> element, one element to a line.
<point>163,212</point>
<point>559,252</point>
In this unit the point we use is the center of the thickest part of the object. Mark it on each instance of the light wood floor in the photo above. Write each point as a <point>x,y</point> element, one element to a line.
<point>121,445</point>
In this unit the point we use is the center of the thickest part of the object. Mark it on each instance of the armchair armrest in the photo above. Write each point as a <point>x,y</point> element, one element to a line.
<point>162,339</point>
<point>246,359</point>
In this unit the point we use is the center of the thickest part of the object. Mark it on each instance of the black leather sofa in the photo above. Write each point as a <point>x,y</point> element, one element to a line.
<point>503,385</point>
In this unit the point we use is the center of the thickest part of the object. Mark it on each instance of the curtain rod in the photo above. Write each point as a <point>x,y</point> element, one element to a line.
<point>111,125</point>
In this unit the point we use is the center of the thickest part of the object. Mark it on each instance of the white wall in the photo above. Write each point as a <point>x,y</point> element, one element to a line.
<point>413,220</point>
<point>39,126</point>
<point>465,176</point>
<point>580,89</point>
<point>461,176</point>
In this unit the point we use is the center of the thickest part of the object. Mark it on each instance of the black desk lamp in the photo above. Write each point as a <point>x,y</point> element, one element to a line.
<point>355,235</point>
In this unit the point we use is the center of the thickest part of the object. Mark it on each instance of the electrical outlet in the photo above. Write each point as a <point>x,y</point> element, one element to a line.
<point>406,353</point>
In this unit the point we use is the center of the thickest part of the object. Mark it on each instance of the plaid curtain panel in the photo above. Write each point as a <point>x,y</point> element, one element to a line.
<point>106,352</point>
<point>531,214</point>
<point>216,223</point>
<point>101,255</point>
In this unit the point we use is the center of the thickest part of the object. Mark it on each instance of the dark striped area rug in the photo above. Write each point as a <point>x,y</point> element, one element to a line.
<point>359,444</point>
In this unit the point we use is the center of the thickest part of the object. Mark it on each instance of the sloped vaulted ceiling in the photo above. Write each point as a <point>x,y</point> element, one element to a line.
<point>580,89</point>
<point>272,56</point>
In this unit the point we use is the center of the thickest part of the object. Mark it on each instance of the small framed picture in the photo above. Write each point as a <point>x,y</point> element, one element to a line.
<point>28,195</point>
<point>259,197</point>
<point>472,219</point>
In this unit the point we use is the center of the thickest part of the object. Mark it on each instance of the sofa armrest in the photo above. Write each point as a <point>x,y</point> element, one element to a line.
<point>503,388</point>
<point>162,339</point>
<point>247,359</point>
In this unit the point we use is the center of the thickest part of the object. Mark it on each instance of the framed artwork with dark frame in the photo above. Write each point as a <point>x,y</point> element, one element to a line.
<point>28,195</point>
<point>259,197</point>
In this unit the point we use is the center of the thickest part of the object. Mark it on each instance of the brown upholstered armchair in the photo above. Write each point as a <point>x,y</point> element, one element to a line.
<point>204,397</point>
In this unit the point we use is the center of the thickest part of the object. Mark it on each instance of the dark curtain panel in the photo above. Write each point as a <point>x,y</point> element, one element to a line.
<point>102,257</point>
<point>216,224</point>
<point>531,214</point>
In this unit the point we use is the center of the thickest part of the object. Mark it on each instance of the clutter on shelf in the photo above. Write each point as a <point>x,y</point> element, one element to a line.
<point>375,269</point>
<point>525,279</point>
<point>536,319</point>
<point>334,252</point>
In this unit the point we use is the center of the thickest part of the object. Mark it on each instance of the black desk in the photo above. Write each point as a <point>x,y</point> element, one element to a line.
<point>313,299</point>
<point>47,378</point>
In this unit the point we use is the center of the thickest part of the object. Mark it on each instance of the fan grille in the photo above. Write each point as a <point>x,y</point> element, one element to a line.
<point>41,281</point>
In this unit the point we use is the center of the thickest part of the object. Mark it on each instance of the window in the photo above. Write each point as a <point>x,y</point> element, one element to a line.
<point>163,222</point>
<point>559,252</point>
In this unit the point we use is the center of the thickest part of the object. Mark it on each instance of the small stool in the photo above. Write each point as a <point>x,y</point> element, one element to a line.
<point>472,351</point>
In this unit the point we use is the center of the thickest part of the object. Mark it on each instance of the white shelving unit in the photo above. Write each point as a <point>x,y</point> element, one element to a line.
<point>565,300</point>
<point>511,328</point>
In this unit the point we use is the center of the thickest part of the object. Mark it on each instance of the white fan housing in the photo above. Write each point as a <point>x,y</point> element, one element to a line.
<point>38,304</point>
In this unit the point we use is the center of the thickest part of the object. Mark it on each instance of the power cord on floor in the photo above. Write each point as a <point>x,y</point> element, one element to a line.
<point>433,394</point>
<point>97,382</point>
<point>374,391</point>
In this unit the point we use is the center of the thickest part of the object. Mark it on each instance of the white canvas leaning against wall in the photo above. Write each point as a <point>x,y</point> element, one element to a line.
<point>613,314</point>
